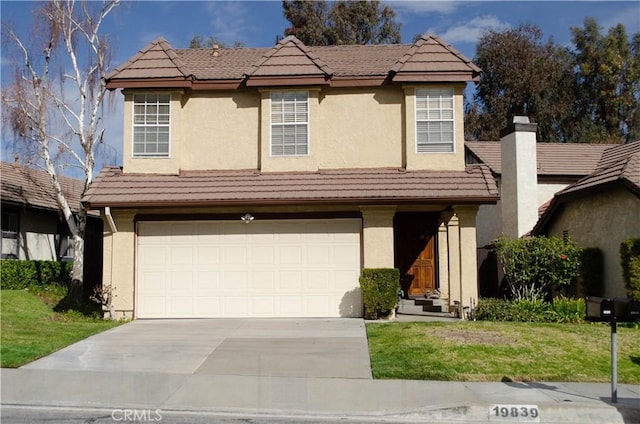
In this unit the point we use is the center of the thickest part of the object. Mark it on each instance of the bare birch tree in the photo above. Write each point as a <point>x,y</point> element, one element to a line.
<point>53,106</point>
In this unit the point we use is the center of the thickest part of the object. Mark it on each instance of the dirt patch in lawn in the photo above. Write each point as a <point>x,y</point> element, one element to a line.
<point>472,336</point>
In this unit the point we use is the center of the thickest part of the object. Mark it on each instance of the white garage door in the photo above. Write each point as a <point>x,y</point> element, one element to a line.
<point>208,269</point>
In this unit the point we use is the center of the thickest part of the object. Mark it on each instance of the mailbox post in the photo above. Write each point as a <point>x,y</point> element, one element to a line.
<point>602,309</point>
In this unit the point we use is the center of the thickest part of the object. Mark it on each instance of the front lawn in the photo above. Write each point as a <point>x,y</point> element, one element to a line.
<point>31,329</point>
<point>501,351</point>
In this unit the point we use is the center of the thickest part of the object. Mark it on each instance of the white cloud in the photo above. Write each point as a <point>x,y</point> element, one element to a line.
<point>629,16</point>
<point>471,31</point>
<point>228,21</point>
<point>422,6</point>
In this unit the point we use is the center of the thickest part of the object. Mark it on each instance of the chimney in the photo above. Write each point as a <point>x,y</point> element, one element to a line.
<point>216,50</point>
<point>519,181</point>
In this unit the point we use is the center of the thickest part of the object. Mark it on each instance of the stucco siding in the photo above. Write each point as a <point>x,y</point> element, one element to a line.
<point>359,128</point>
<point>602,220</point>
<point>220,131</point>
<point>546,191</point>
<point>348,128</point>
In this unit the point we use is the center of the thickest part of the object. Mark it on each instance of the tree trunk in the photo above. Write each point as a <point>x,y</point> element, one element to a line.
<point>76,290</point>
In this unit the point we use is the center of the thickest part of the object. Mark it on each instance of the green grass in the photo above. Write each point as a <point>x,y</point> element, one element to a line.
<point>501,351</point>
<point>31,329</point>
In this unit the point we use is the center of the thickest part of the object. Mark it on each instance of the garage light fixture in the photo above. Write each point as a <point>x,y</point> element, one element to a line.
<point>247,218</point>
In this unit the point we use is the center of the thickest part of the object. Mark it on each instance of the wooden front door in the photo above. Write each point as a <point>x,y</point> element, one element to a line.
<point>415,236</point>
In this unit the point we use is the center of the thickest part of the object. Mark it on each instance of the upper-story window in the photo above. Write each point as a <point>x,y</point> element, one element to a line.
<point>151,121</point>
<point>290,123</point>
<point>434,120</point>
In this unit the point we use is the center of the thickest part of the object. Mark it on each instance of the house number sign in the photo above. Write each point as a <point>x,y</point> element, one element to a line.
<point>514,413</point>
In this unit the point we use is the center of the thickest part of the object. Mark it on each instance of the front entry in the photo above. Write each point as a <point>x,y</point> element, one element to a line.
<point>415,247</point>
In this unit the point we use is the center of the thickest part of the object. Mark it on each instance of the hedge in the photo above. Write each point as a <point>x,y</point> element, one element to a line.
<point>380,288</point>
<point>630,261</point>
<point>18,275</point>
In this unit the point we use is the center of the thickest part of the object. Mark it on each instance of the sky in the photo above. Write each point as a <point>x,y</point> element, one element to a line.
<point>257,24</point>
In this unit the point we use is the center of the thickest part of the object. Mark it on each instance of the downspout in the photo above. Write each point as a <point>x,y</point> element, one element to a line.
<point>112,223</point>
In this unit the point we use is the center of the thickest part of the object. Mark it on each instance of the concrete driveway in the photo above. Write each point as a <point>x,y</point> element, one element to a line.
<point>322,348</point>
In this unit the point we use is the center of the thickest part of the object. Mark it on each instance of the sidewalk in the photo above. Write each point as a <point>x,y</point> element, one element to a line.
<point>352,399</point>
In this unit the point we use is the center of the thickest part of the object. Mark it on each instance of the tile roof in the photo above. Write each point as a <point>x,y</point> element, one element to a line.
<point>430,55</point>
<point>554,159</point>
<point>428,59</point>
<point>290,57</point>
<point>32,188</point>
<point>156,60</point>
<point>208,188</point>
<point>619,164</point>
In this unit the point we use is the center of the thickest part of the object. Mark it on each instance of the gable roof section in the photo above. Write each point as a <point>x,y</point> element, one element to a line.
<point>619,164</point>
<point>210,188</point>
<point>289,58</point>
<point>159,65</point>
<point>157,62</point>
<point>554,159</point>
<point>431,59</point>
<point>28,187</point>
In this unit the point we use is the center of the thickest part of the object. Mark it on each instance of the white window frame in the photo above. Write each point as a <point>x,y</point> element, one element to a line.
<point>135,125</point>
<point>283,124</point>
<point>435,115</point>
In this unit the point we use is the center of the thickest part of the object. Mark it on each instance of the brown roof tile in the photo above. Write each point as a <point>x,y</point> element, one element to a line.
<point>290,57</point>
<point>115,189</point>
<point>156,60</point>
<point>429,54</point>
<point>619,164</point>
<point>32,187</point>
<point>427,59</point>
<point>554,159</point>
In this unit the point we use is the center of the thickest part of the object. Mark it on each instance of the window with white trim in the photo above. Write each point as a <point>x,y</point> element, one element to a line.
<point>434,120</point>
<point>289,123</point>
<point>151,124</point>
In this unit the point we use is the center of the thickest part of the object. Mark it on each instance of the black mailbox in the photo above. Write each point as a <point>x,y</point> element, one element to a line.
<point>626,310</point>
<point>599,309</point>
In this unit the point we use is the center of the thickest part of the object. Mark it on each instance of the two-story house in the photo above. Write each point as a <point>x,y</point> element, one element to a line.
<point>259,182</point>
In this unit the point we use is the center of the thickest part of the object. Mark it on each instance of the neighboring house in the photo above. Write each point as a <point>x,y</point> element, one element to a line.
<point>32,226</point>
<point>532,172</point>
<point>260,181</point>
<point>601,210</point>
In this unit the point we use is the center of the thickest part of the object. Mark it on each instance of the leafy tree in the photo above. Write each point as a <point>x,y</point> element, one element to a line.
<point>608,83</point>
<point>522,75</point>
<point>533,265</point>
<point>317,23</point>
<point>198,42</point>
<point>53,105</point>
<point>590,93</point>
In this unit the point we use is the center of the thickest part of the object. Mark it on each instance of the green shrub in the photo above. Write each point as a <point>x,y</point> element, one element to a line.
<point>561,310</point>
<point>18,275</point>
<point>567,310</point>
<point>630,261</point>
<point>380,288</point>
<point>592,271</point>
<point>533,265</point>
